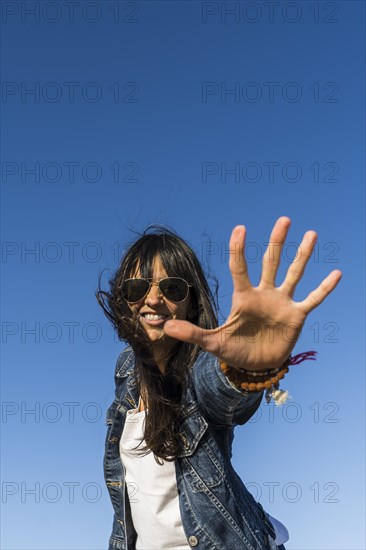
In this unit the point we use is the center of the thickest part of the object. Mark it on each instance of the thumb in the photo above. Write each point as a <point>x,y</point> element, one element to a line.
<point>187,332</point>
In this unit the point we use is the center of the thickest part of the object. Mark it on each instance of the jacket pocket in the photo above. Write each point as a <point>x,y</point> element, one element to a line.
<point>202,467</point>
<point>191,430</point>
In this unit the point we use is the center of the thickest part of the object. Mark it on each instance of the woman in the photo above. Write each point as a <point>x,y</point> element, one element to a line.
<point>183,384</point>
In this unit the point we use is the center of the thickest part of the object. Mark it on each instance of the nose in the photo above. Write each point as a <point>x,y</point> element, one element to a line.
<point>154,296</point>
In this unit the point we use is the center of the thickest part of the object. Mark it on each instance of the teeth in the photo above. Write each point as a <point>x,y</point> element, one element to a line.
<point>152,317</point>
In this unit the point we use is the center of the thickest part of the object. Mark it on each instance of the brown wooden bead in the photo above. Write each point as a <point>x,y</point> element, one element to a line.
<point>254,381</point>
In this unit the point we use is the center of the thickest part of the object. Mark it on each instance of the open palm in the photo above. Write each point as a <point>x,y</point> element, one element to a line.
<point>264,322</point>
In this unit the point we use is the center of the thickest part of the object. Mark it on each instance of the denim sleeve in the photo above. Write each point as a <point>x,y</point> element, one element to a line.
<point>221,402</point>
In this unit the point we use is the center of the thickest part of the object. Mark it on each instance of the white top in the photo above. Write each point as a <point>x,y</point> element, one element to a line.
<point>152,491</point>
<point>153,495</point>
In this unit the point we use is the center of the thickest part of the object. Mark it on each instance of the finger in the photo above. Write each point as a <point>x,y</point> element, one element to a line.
<point>319,294</point>
<point>271,258</point>
<point>296,269</point>
<point>237,263</point>
<point>187,332</point>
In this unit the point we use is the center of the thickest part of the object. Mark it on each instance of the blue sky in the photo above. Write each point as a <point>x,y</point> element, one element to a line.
<point>185,114</point>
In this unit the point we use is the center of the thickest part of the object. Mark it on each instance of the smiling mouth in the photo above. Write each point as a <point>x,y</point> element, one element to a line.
<point>154,318</point>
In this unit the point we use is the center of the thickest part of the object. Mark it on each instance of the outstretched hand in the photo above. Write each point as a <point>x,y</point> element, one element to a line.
<point>264,322</point>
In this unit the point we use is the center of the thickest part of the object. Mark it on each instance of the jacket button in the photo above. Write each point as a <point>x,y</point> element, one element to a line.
<point>193,541</point>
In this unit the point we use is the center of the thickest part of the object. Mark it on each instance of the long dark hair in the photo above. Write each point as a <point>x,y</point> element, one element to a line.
<point>165,390</point>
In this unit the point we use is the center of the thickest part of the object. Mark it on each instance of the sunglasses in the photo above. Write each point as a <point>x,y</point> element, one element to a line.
<point>174,289</point>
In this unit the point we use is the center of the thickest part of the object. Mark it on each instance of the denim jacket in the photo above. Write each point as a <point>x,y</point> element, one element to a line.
<point>217,511</point>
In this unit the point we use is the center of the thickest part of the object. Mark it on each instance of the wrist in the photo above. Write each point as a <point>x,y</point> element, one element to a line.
<point>255,380</point>
<point>268,380</point>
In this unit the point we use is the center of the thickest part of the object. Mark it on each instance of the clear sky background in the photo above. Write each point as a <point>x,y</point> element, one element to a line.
<point>195,116</point>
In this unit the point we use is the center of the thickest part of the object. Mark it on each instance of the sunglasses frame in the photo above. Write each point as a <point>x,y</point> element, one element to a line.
<point>152,282</point>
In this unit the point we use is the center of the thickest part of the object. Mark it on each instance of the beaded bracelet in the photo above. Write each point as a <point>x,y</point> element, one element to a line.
<point>265,380</point>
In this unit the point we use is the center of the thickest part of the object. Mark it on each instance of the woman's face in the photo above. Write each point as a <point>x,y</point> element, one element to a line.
<point>155,309</point>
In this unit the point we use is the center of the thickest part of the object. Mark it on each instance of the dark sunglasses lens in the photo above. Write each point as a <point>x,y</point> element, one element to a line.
<point>174,289</point>
<point>133,290</point>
